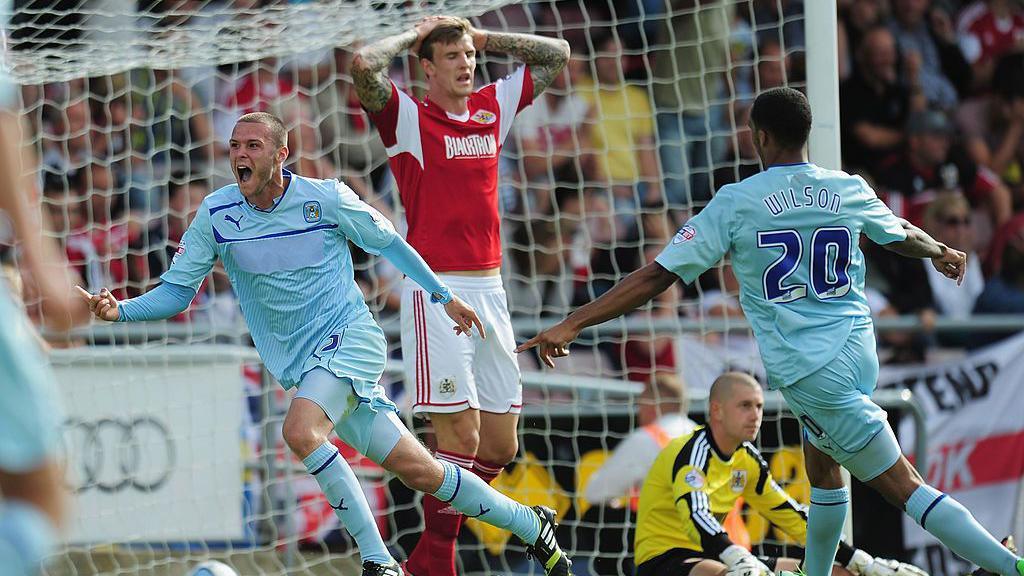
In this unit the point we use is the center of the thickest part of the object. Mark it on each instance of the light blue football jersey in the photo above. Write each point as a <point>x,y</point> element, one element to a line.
<point>793,232</point>
<point>291,269</point>
<point>30,407</point>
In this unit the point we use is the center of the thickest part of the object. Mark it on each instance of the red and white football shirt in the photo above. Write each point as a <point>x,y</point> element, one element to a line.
<point>447,170</point>
<point>984,36</point>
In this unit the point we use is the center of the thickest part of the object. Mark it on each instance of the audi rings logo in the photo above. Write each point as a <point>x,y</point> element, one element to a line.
<point>114,454</point>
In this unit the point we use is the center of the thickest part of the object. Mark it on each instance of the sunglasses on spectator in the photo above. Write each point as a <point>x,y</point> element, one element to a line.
<point>956,220</point>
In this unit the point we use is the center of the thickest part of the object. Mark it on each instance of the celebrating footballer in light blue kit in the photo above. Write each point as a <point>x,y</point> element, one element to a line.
<point>283,240</point>
<point>299,246</point>
<point>793,233</point>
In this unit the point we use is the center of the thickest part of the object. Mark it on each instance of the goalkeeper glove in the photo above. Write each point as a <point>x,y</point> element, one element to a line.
<point>864,564</point>
<point>741,562</point>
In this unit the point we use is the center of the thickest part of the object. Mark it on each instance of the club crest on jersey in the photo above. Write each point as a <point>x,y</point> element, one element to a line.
<point>311,211</point>
<point>447,386</point>
<point>484,117</point>
<point>739,481</point>
<point>685,234</point>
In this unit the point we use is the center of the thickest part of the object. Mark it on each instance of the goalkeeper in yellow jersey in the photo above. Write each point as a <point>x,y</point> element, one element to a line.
<point>696,480</point>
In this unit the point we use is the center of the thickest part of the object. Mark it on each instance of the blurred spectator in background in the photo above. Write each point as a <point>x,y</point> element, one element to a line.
<point>67,135</point>
<point>261,89</point>
<point>948,220</point>
<point>553,137</point>
<point>989,29</point>
<point>661,416</point>
<point>306,153</point>
<point>741,160</point>
<point>771,15</point>
<point>179,131</point>
<point>644,357</point>
<point>623,133</point>
<point>875,102</point>
<point>772,65</point>
<point>856,19</point>
<point>345,132</point>
<point>924,32</point>
<point>540,251</point>
<point>931,164</point>
<point>1004,290</point>
<point>99,249</point>
<point>691,63</point>
<point>993,125</point>
<point>184,195</point>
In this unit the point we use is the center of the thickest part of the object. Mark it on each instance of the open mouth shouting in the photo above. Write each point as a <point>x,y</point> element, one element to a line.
<point>244,173</point>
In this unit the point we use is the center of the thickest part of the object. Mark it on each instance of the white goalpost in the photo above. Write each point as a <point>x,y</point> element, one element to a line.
<point>172,439</point>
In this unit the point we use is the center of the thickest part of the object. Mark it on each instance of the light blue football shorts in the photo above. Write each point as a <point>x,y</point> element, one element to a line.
<point>839,418</point>
<point>369,424</point>
<point>30,408</point>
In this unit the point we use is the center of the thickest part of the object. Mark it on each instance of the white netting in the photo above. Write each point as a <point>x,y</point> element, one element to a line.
<point>55,41</point>
<point>131,113</point>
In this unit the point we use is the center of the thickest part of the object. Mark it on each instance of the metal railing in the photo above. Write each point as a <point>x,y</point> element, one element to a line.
<point>124,333</point>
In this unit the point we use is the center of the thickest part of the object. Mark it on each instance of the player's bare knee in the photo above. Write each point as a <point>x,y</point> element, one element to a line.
<point>897,483</point>
<point>823,473</point>
<point>458,432</point>
<point>463,438</point>
<point>822,470</point>
<point>499,453</point>
<point>508,455</point>
<point>301,438</point>
<point>422,476</point>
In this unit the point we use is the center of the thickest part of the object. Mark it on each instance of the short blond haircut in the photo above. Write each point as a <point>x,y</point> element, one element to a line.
<point>278,133</point>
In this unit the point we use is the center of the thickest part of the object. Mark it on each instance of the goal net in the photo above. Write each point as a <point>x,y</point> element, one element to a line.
<point>172,438</point>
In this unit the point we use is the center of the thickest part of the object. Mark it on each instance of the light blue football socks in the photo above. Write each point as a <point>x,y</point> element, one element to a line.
<point>825,520</point>
<point>345,495</point>
<point>950,522</point>
<point>468,494</point>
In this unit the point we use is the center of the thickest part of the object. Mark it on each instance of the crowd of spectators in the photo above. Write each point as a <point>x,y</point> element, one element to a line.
<point>647,121</point>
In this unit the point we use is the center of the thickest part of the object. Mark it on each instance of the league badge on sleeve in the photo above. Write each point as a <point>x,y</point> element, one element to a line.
<point>694,479</point>
<point>685,234</point>
<point>311,211</point>
<point>179,251</point>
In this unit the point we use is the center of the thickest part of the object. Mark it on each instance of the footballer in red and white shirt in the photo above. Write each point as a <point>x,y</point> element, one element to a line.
<point>443,151</point>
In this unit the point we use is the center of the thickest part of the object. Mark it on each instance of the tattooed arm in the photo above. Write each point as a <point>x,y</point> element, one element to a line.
<point>370,69</point>
<point>545,56</point>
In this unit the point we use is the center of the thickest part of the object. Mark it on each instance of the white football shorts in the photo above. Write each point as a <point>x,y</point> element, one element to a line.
<point>449,373</point>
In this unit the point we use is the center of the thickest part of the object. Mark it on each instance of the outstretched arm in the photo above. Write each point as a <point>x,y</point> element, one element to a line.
<point>949,262</point>
<point>545,56</point>
<point>412,265</point>
<point>370,66</point>
<point>164,301</point>
<point>635,290</point>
